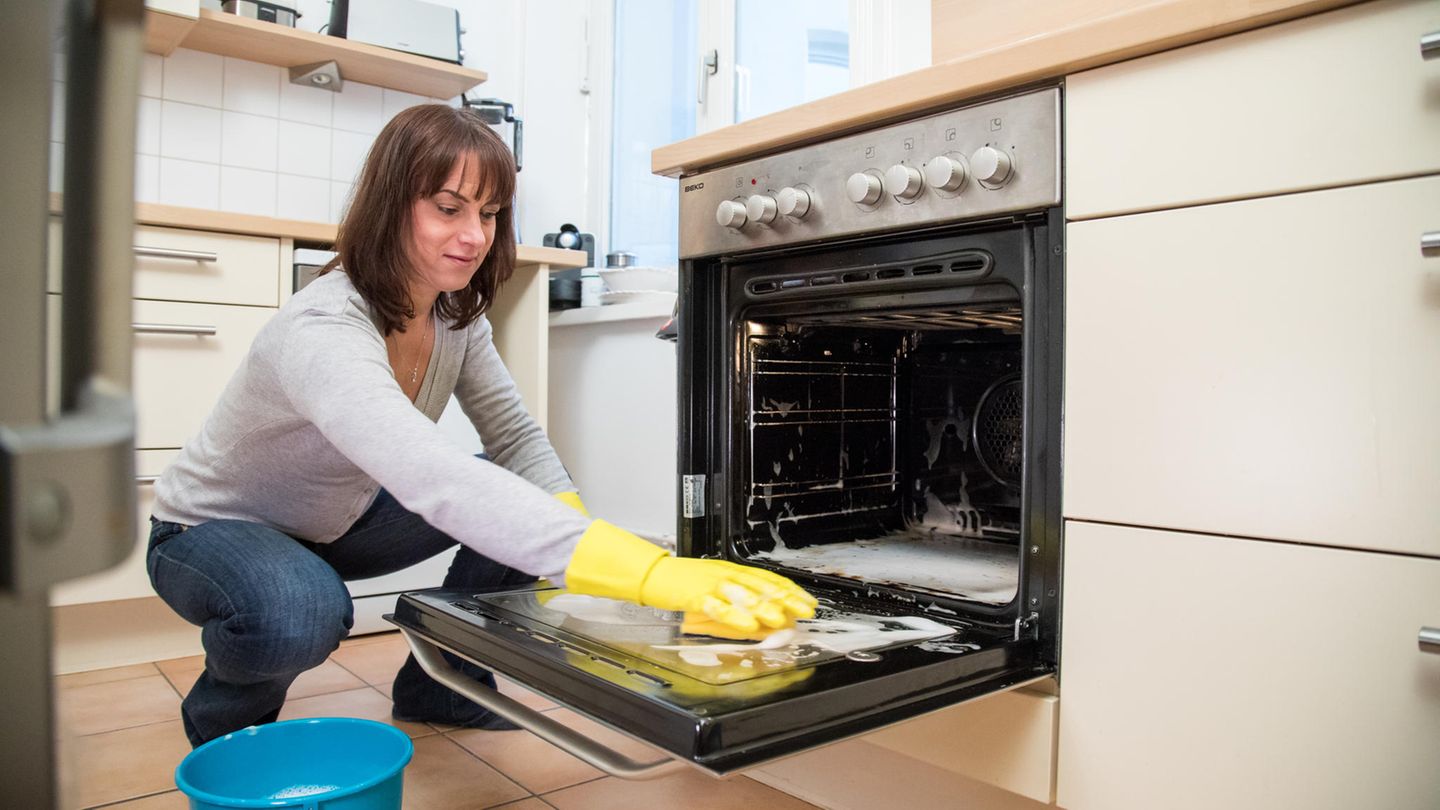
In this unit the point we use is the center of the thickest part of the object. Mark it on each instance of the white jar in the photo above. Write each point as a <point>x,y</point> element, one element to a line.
<point>590,287</point>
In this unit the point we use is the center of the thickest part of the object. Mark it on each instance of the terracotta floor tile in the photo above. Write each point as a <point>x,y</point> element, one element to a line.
<point>364,702</point>
<point>174,800</point>
<point>537,765</point>
<point>512,689</point>
<point>95,676</point>
<point>531,803</point>
<point>124,764</point>
<point>385,689</point>
<point>182,672</point>
<point>324,679</point>
<point>443,776</point>
<point>376,662</point>
<point>114,705</point>
<point>684,790</point>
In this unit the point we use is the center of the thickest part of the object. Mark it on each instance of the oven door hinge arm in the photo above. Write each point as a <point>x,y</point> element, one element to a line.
<point>1031,623</point>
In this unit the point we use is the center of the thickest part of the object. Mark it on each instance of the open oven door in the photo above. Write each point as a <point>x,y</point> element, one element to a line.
<point>719,705</point>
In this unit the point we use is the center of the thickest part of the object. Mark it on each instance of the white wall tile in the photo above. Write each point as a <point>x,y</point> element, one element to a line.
<point>307,105</point>
<point>396,100</point>
<point>152,75</point>
<point>251,87</point>
<point>306,198</point>
<point>304,150</point>
<point>347,154</point>
<point>189,132</point>
<point>190,184</point>
<point>57,166</point>
<point>247,191</point>
<point>249,141</point>
<point>194,77</point>
<point>147,130</point>
<point>339,198</point>
<point>147,178</point>
<point>57,112</point>
<point>359,108</point>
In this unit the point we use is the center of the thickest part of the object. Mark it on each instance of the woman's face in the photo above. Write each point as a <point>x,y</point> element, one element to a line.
<point>451,232</point>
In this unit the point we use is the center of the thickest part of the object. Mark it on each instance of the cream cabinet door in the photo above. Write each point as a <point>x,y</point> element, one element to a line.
<point>128,580</point>
<point>1207,672</point>
<point>174,264</point>
<point>1328,100</point>
<point>1267,368</point>
<point>184,356</point>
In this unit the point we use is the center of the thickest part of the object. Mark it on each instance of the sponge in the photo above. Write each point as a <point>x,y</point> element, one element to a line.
<point>698,624</point>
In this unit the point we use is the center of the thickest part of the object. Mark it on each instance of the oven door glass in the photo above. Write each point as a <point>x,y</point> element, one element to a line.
<point>719,704</point>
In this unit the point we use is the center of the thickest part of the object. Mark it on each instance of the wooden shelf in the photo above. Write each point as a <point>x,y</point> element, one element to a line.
<point>243,38</point>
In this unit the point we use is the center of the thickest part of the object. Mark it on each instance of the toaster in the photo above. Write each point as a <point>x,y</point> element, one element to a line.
<point>412,26</point>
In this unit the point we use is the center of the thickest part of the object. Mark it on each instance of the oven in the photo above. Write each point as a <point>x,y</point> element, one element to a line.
<point>869,336</point>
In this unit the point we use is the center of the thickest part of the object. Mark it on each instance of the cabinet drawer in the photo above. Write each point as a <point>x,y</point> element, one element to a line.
<point>128,580</point>
<point>1209,672</point>
<point>1328,100</point>
<point>179,376</point>
<point>1267,368</point>
<point>179,265</point>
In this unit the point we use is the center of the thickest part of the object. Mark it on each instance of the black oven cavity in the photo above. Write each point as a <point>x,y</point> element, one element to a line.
<point>891,417</point>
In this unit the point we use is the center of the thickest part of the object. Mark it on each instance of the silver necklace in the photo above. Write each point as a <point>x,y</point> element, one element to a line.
<point>424,339</point>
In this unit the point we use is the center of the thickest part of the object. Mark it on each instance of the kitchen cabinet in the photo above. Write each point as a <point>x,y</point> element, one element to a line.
<point>1265,368</point>
<point>1333,99</point>
<point>1250,446</point>
<point>1203,672</point>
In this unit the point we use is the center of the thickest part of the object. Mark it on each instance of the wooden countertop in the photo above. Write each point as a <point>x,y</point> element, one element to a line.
<point>225,222</point>
<point>1149,28</point>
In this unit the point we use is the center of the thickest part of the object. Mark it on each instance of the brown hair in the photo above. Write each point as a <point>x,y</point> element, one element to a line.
<point>411,158</point>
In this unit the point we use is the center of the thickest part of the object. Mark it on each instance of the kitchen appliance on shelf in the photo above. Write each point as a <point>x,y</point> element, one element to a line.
<point>67,432</point>
<point>869,345</point>
<point>412,26</point>
<point>262,11</point>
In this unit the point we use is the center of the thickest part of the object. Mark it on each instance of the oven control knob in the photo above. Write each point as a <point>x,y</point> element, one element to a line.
<point>945,173</point>
<point>760,208</point>
<point>863,188</point>
<point>793,202</point>
<point>991,166</point>
<point>730,214</point>
<point>904,182</point>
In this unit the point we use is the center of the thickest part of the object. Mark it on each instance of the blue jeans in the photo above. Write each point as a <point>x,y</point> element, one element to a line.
<point>271,606</point>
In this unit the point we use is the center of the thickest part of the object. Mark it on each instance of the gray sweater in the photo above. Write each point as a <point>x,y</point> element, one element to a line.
<point>313,424</point>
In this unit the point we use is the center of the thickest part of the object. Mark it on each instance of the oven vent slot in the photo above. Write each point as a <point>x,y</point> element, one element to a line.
<point>969,264</point>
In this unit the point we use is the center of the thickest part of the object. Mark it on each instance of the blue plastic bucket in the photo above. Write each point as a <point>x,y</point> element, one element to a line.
<point>326,763</point>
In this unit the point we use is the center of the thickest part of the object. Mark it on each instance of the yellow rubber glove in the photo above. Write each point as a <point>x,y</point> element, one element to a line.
<point>572,500</point>
<point>614,563</point>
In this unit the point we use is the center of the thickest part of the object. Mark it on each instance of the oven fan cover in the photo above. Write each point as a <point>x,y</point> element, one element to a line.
<point>998,430</point>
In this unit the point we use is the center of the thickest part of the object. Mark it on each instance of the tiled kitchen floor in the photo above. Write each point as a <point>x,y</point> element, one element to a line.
<point>123,740</point>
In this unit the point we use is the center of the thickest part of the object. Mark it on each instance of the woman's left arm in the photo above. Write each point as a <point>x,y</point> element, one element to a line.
<point>489,397</point>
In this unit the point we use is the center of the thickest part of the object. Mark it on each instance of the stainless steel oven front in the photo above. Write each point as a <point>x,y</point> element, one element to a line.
<point>870,362</point>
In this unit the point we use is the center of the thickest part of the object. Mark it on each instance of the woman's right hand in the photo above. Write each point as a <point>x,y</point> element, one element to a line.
<point>614,563</point>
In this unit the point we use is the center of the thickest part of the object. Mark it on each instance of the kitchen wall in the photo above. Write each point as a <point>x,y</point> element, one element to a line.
<point>233,135</point>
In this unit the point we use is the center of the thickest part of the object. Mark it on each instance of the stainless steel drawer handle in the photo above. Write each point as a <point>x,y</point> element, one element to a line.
<point>594,753</point>
<point>1430,45</point>
<point>174,253</point>
<point>171,329</point>
<point>1430,243</point>
<point>146,479</point>
<point>1430,640</point>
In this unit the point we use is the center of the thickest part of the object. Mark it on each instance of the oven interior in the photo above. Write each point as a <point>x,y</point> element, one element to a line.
<point>886,446</point>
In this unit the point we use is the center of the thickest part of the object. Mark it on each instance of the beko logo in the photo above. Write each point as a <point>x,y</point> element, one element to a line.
<point>694,186</point>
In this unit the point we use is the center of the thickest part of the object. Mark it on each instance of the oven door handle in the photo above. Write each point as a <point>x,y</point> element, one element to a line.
<point>572,742</point>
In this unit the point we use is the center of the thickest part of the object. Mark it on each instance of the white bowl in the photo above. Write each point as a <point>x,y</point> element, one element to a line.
<point>628,279</point>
